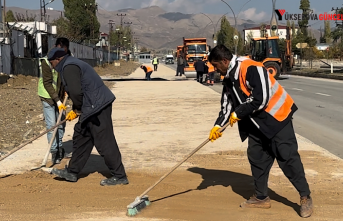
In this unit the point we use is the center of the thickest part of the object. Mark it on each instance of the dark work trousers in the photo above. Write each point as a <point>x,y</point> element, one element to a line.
<point>200,76</point>
<point>148,76</point>
<point>284,148</point>
<point>96,131</point>
<point>155,67</point>
<point>180,69</point>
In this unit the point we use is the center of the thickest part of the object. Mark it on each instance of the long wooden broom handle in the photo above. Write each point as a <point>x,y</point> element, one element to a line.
<point>54,133</point>
<point>184,160</point>
<point>30,141</point>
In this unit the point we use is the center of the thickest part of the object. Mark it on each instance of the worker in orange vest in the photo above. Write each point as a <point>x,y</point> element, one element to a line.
<point>263,109</point>
<point>148,71</point>
<point>210,74</point>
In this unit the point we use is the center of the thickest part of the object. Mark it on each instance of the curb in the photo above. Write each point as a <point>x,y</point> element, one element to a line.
<point>319,75</point>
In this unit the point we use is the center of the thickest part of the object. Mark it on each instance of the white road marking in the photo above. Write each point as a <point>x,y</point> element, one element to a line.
<point>297,89</point>
<point>328,95</point>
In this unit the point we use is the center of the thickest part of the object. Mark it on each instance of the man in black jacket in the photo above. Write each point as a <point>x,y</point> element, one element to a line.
<point>92,103</point>
<point>263,110</point>
<point>199,66</point>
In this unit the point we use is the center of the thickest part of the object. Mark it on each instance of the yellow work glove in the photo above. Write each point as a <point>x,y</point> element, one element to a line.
<point>233,118</point>
<point>215,134</point>
<point>71,116</point>
<point>61,106</point>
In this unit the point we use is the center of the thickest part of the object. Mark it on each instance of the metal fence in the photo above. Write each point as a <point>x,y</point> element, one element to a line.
<point>13,60</point>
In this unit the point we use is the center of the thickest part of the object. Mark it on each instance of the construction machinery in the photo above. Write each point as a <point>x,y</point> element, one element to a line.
<point>266,49</point>
<point>194,49</point>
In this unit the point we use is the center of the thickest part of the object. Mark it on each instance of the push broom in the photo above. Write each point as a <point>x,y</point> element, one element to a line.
<point>142,201</point>
<point>45,159</point>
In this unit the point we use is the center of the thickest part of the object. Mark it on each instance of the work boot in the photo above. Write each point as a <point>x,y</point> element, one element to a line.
<point>114,181</point>
<point>306,206</point>
<point>61,153</point>
<point>72,177</point>
<point>55,158</point>
<point>254,202</point>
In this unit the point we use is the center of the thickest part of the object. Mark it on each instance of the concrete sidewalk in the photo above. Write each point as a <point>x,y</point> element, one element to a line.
<point>168,117</point>
<point>156,123</point>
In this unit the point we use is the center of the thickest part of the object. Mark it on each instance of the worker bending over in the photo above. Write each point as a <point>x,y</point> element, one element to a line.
<point>92,104</point>
<point>263,110</point>
<point>148,71</point>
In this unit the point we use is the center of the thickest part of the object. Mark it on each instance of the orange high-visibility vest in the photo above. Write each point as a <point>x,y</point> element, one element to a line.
<point>148,69</point>
<point>280,102</point>
<point>210,67</point>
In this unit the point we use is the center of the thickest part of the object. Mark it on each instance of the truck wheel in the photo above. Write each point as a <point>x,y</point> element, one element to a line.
<point>273,68</point>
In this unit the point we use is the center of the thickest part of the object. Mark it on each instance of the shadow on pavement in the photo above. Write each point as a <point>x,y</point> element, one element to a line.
<point>240,184</point>
<point>95,163</point>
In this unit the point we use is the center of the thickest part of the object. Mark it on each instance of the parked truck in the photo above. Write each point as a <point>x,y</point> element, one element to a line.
<point>193,50</point>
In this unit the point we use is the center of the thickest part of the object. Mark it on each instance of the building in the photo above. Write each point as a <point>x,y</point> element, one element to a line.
<point>322,46</point>
<point>256,33</point>
<point>145,57</point>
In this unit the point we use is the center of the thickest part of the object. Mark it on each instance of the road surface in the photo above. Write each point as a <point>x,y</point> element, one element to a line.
<point>320,114</point>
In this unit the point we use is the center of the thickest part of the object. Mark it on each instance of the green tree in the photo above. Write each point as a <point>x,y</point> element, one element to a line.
<point>10,16</point>
<point>225,34</point>
<point>327,31</point>
<point>303,23</point>
<point>289,23</point>
<point>294,34</point>
<point>82,18</point>
<point>64,29</point>
<point>144,49</point>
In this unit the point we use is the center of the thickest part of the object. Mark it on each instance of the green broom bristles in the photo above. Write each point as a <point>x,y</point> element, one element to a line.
<point>139,204</point>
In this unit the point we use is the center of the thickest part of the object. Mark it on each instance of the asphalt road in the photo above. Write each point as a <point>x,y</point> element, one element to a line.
<point>320,114</point>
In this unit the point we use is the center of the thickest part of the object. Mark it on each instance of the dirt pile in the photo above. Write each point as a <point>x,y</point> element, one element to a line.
<point>125,69</point>
<point>20,111</point>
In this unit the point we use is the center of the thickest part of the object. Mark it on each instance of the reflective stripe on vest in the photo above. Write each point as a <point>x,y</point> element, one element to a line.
<point>148,69</point>
<point>280,102</point>
<point>41,89</point>
<point>155,61</point>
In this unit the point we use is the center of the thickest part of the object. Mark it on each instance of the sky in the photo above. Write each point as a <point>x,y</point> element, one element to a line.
<point>256,10</point>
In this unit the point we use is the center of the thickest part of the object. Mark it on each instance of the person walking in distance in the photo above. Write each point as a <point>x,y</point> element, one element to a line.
<point>52,94</point>
<point>199,68</point>
<point>180,65</point>
<point>264,111</point>
<point>92,105</point>
<point>155,62</point>
<point>210,74</point>
<point>148,71</point>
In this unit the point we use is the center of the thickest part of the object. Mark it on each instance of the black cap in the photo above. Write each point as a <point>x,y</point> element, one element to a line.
<point>56,53</point>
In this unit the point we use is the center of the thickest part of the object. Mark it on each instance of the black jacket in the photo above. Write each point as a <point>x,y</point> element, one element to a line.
<point>84,86</point>
<point>199,66</point>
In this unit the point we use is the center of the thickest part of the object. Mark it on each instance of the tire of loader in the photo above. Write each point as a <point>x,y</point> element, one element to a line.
<point>273,68</point>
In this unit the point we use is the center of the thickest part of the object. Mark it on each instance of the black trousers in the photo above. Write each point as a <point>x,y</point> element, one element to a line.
<point>155,67</point>
<point>96,131</point>
<point>284,148</point>
<point>180,69</point>
<point>148,76</point>
<point>200,76</point>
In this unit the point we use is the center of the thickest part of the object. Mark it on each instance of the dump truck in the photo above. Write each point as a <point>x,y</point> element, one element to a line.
<point>193,50</point>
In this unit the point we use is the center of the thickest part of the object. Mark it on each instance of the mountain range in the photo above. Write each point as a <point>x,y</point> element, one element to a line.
<point>157,28</point>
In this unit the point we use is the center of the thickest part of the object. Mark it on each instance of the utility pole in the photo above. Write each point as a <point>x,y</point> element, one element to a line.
<point>110,24</point>
<point>121,18</point>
